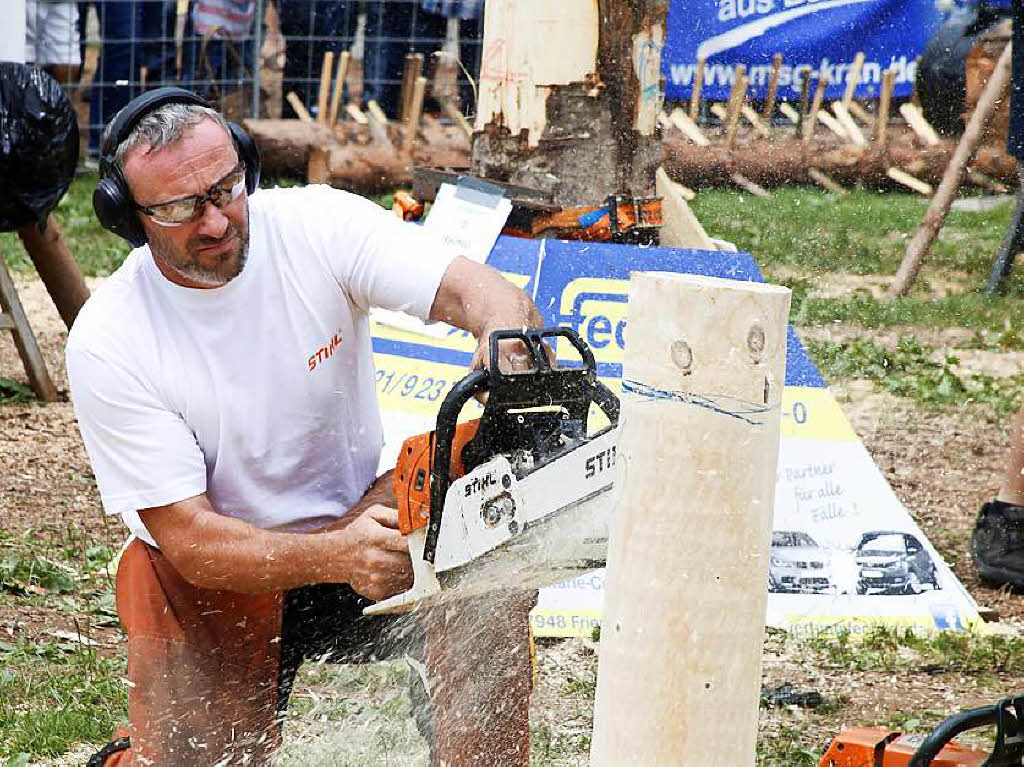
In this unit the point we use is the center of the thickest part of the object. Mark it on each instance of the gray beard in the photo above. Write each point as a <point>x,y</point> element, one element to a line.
<point>209,279</point>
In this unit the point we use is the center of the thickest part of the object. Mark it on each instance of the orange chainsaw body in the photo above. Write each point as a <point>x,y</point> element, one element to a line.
<point>412,474</point>
<point>879,747</point>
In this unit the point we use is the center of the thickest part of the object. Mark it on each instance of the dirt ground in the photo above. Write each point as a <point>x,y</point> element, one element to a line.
<point>941,466</point>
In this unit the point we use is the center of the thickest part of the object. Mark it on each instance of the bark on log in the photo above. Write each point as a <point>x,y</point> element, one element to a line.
<point>786,161</point>
<point>356,162</point>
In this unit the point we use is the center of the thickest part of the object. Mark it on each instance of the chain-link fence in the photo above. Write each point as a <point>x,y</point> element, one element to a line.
<point>246,56</point>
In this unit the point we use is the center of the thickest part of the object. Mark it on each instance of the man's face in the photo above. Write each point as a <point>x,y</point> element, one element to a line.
<point>209,251</point>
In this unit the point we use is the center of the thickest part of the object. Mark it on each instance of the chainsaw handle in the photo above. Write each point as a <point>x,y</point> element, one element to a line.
<point>999,715</point>
<point>533,339</point>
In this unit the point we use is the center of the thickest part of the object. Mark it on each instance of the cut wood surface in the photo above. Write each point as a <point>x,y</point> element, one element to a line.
<point>679,669</point>
<point>916,120</point>
<point>791,114</point>
<point>681,229</point>
<point>688,127</point>
<point>849,126</point>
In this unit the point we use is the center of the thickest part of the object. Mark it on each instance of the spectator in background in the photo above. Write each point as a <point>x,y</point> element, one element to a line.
<point>52,38</point>
<point>219,53</point>
<point>138,39</point>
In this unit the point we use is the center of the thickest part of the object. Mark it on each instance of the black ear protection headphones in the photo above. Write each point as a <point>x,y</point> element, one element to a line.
<point>112,199</point>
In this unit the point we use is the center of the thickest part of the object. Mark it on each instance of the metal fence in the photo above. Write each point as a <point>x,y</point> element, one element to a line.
<point>247,55</point>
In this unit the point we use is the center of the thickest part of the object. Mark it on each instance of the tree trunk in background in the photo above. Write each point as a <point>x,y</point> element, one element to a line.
<point>569,96</point>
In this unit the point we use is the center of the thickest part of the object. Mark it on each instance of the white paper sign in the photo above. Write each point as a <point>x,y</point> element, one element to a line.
<point>468,220</point>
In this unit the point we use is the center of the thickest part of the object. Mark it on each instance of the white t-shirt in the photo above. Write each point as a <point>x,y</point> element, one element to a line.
<point>259,393</point>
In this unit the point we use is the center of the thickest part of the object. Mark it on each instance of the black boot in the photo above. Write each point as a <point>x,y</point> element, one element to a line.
<point>997,543</point>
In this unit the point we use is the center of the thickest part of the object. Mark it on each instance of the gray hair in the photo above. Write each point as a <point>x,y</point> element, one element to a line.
<point>164,125</point>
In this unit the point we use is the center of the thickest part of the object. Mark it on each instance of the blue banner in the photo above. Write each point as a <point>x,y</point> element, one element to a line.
<point>815,37</point>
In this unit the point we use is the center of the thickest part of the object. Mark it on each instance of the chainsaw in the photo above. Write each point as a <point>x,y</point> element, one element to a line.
<point>879,747</point>
<point>519,497</point>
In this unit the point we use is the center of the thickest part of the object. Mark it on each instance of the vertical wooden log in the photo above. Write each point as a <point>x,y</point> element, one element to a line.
<point>773,87</point>
<point>884,99</point>
<point>354,75</point>
<point>935,216</point>
<point>698,86</point>
<point>56,267</point>
<point>325,87</point>
<point>680,660</point>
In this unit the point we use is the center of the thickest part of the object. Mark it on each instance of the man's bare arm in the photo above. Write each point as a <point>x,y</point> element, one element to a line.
<point>475,297</point>
<point>364,549</point>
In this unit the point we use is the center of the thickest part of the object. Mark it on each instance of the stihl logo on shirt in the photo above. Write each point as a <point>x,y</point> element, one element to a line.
<point>324,352</point>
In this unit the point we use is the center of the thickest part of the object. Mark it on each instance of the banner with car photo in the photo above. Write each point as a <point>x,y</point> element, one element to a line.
<point>845,553</point>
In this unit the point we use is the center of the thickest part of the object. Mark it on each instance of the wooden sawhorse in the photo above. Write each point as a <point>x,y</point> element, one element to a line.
<point>13,318</point>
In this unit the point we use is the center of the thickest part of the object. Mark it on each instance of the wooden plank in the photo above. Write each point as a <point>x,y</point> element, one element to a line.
<point>826,181</point>
<point>339,86</point>
<point>755,120</point>
<point>679,669</point>
<point>412,125</point>
<point>852,131</point>
<point>326,69</point>
<point>681,228</point>
<point>299,107</point>
<point>24,339</point>
<point>773,87</point>
<point>698,86</point>
<point>882,117</point>
<point>791,114</point>
<point>902,177</point>
<point>853,79</point>
<point>916,120</point>
<point>688,127</point>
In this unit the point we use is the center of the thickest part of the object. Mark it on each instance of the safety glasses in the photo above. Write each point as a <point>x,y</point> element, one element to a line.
<point>185,209</point>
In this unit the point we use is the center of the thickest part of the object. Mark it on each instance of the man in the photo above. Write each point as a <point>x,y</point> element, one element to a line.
<point>51,39</point>
<point>241,467</point>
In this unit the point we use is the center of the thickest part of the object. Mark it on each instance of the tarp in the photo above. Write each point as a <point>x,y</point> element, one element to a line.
<point>819,35</point>
<point>845,552</point>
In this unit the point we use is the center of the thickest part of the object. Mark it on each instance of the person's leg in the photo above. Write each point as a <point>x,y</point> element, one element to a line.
<point>997,542</point>
<point>111,87</point>
<point>203,667</point>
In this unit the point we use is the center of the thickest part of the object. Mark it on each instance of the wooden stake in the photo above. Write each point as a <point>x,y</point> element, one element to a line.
<point>413,69</point>
<point>747,185</point>
<point>902,177</point>
<point>826,181</point>
<point>773,86</point>
<point>812,117</point>
<point>298,106</point>
<point>13,318</point>
<point>378,123</point>
<point>805,91</point>
<point>339,86</point>
<point>412,124</point>
<point>791,114</point>
<point>325,87</point>
<point>832,124</point>
<point>852,131</point>
<point>755,120</point>
<point>374,112</point>
<point>853,79</point>
<point>688,127</point>
<point>882,118</point>
<point>698,86</point>
<point>935,216</point>
<point>736,100</point>
<point>860,113</point>
<point>452,111</point>
<point>355,67</point>
<point>916,120</point>
<point>679,669</point>
<point>318,169</point>
<point>356,114</point>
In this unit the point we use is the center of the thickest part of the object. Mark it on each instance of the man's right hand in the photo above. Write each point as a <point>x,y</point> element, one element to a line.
<point>373,554</point>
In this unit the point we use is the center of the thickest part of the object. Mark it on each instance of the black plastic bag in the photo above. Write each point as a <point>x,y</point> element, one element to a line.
<point>38,145</point>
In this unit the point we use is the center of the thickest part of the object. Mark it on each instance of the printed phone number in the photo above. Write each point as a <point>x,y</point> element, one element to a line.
<point>412,385</point>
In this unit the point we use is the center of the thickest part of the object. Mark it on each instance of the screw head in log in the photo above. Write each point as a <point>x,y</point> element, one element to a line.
<point>682,356</point>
